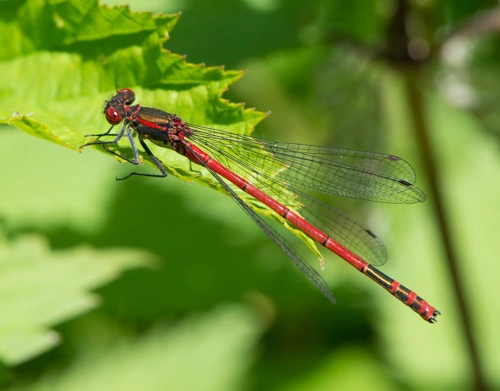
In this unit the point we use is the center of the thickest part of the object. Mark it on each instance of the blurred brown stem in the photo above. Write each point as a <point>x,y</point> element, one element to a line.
<point>416,104</point>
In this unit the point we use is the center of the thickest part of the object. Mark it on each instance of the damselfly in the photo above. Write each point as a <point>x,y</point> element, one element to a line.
<point>281,176</point>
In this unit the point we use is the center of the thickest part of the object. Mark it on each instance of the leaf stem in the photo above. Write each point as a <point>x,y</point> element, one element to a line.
<point>416,103</point>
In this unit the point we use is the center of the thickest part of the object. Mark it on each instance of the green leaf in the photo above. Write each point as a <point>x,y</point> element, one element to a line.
<point>40,288</point>
<point>85,50</point>
<point>64,58</point>
<point>209,352</point>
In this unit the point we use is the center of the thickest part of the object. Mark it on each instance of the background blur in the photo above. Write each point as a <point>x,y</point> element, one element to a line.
<point>223,308</point>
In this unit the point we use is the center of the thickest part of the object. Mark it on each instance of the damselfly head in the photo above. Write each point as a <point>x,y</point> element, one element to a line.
<point>116,108</point>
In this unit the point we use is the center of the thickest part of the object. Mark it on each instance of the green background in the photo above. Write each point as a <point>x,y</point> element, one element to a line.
<point>220,307</point>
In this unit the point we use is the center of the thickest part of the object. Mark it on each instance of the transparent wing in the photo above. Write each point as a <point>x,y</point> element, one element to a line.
<point>300,262</point>
<point>285,171</point>
<point>354,174</point>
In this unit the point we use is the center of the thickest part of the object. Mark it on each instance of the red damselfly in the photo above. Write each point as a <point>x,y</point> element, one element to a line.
<point>280,175</point>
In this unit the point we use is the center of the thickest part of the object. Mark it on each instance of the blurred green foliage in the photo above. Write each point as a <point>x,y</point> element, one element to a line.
<point>225,309</point>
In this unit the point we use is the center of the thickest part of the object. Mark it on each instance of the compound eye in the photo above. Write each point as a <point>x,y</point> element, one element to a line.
<point>127,95</point>
<point>112,116</point>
